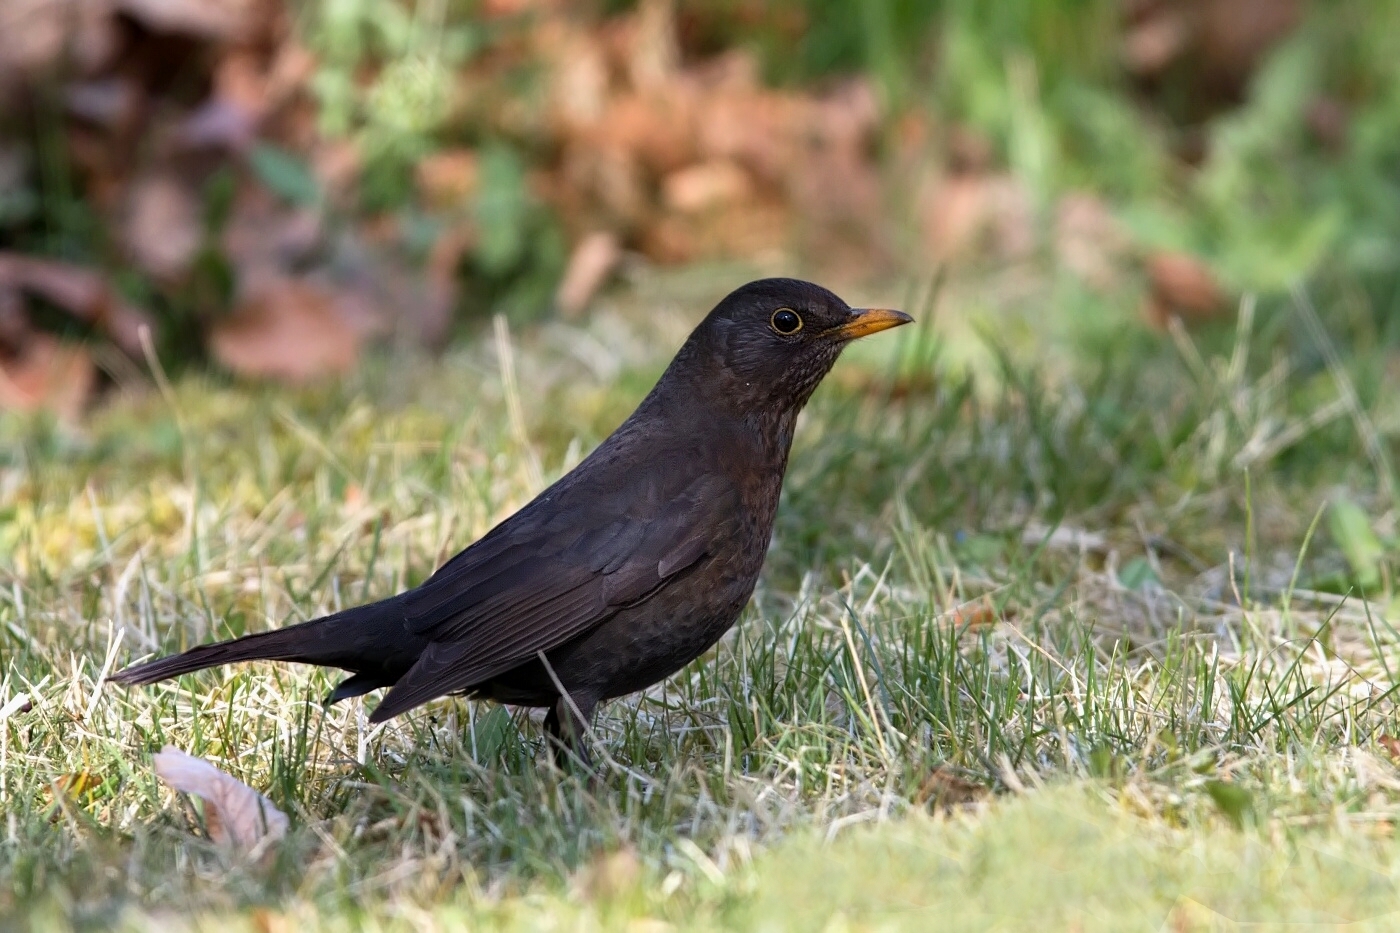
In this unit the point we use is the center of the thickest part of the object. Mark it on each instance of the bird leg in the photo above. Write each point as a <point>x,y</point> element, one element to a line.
<point>567,725</point>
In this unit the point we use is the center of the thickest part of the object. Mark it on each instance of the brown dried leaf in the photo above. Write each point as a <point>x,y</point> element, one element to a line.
<point>433,321</point>
<point>944,788</point>
<point>656,130</point>
<point>1233,35</point>
<point>263,235</point>
<point>112,103</point>
<point>83,293</point>
<point>449,178</point>
<point>237,816</point>
<point>34,34</point>
<point>14,320</point>
<point>287,329</point>
<point>1182,285</point>
<point>1328,121</point>
<point>610,875</point>
<point>962,214</point>
<point>1089,240</point>
<point>614,182</point>
<point>1391,744</point>
<point>219,20</point>
<point>163,229</point>
<point>336,165</point>
<point>976,615</point>
<point>1153,44</point>
<point>578,84</point>
<point>49,376</point>
<point>39,34</point>
<point>592,261</point>
<point>700,187</point>
<point>229,117</point>
<point>759,129</point>
<point>653,54</point>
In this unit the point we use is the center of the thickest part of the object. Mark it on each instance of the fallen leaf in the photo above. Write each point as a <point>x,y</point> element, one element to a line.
<point>654,54</point>
<point>14,320</point>
<point>1391,744</point>
<point>219,20</point>
<point>700,187</point>
<point>39,33</point>
<point>578,85</point>
<point>592,261</point>
<point>1089,241</point>
<point>448,179</point>
<point>75,789</point>
<point>287,329</point>
<point>112,103</point>
<point>1328,121</point>
<point>610,875</point>
<point>945,788</point>
<point>83,293</point>
<point>1232,36</point>
<point>236,816</point>
<point>264,235</point>
<point>433,318</point>
<point>163,228</point>
<point>336,164</point>
<point>979,614</point>
<point>76,783</point>
<point>49,376</point>
<point>1234,801</point>
<point>1183,286</point>
<point>963,214</point>
<point>656,130</point>
<point>1155,42</point>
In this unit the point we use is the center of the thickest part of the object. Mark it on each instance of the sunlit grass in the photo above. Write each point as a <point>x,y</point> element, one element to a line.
<point>975,592</point>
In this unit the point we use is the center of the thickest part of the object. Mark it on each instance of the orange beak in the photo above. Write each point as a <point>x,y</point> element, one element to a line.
<point>867,321</point>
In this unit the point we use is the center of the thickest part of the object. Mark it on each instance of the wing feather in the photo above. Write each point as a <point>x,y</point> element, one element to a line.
<point>533,588</point>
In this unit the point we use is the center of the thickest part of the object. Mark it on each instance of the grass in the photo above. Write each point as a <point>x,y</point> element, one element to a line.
<point>1070,652</point>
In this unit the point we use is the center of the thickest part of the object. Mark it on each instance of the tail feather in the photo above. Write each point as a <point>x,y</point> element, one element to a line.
<point>369,641</point>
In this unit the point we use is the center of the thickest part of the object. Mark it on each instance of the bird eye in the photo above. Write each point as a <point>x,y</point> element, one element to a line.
<point>785,321</point>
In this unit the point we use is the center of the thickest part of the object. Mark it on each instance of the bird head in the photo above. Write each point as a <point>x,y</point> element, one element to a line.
<point>769,343</point>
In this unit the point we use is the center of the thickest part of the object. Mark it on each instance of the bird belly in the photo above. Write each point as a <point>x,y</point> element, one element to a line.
<point>637,646</point>
<point>646,643</point>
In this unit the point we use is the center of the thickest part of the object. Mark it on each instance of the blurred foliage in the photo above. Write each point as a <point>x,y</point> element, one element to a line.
<point>1275,162</point>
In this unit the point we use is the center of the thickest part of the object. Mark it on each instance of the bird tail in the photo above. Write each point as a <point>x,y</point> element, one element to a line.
<point>369,640</point>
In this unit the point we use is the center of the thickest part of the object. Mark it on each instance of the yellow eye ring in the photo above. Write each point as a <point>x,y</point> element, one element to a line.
<point>785,321</point>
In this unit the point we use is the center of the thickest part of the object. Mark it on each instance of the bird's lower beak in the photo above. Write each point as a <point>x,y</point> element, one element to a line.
<point>867,321</point>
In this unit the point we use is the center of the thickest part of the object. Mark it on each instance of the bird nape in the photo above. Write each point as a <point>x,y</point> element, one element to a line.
<point>626,568</point>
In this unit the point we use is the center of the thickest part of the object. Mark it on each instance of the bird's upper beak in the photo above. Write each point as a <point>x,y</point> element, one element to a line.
<point>866,321</point>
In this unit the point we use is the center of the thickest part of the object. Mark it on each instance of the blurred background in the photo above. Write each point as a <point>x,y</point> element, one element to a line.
<point>273,188</point>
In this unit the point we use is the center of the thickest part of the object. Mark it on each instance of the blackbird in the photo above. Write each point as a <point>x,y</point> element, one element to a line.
<point>625,569</point>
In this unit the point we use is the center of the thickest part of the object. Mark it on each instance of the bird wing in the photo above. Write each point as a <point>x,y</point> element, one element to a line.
<point>536,586</point>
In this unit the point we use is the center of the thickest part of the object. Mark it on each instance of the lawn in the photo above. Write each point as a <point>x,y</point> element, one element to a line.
<point>1055,633</point>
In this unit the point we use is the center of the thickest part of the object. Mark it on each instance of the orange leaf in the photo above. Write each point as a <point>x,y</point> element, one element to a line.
<point>48,375</point>
<point>287,329</point>
<point>593,260</point>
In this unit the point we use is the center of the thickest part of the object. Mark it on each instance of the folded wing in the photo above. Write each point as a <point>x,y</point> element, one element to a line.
<point>534,585</point>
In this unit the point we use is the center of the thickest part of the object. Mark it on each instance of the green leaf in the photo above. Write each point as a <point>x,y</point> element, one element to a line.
<point>1233,800</point>
<point>1137,574</point>
<point>491,733</point>
<point>502,210</point>
<point>1351,529</point>
<point>1104,764</point>
<point>284,174</point>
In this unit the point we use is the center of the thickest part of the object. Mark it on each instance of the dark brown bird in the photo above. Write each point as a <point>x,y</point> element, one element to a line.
<point>623,571</point>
